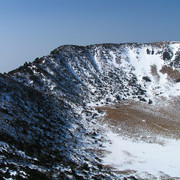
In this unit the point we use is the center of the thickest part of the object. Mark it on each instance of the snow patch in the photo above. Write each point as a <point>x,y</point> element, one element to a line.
<point>125,154</point>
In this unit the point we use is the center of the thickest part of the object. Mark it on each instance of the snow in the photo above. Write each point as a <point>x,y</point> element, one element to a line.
<point>49,71</point>
<point>143,63</point>
<point>174,47</point>
<point>96,59</point>
<point>113,62</point>
<point>125,154</point>
<point>13,173</point>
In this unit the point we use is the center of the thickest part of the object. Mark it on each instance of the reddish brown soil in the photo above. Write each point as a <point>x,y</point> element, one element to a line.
<point>142,121</point>
<point>172,73</point>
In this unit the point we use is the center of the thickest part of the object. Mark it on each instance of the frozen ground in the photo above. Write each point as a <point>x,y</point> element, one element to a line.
<point>144,140</point>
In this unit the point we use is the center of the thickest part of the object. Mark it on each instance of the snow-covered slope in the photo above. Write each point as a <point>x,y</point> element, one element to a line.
<point>48,125</point>
<point>41,136</point>
<point>107,72</point>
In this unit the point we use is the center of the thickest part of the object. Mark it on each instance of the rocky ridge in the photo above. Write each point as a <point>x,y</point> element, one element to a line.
<point>49,127</point>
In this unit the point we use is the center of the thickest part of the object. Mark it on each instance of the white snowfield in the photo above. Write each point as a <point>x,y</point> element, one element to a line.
<point>150,160</point>
<point>143,64</point>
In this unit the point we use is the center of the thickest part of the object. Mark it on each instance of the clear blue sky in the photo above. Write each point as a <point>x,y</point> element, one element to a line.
<point>32,28</point>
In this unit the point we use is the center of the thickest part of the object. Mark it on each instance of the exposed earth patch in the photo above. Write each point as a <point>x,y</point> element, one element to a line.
<point>144,139</point>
